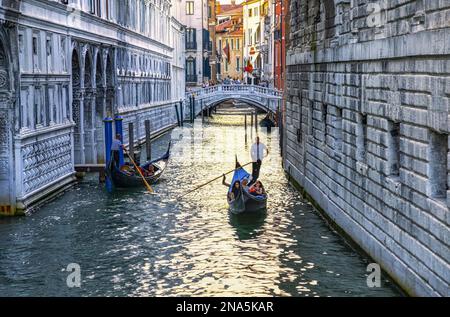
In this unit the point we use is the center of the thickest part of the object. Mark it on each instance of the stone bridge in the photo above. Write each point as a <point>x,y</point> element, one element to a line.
<point>266,99</point>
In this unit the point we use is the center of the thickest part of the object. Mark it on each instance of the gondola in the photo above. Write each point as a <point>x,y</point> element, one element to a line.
<point>123,180</point>
<point>267,122</point>
<point>245,202</point>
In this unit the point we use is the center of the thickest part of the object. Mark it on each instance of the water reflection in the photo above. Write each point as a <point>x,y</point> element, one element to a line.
<point>132,244</point>
<point>248,226</point>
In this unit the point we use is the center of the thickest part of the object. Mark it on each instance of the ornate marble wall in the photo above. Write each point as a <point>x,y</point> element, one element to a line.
<point>66,67</point>
<point>6,182</point>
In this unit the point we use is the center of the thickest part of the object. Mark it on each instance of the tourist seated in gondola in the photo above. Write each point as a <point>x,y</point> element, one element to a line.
<point>234,191</point>
<point>245,184</point>
<point>150,170</point>
<point>147,172</point>
<point>257,189</point>
<point>127,169</point>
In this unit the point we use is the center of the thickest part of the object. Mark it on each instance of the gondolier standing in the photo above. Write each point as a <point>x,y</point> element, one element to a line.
<point>258,152</point>
<point>115,148</point>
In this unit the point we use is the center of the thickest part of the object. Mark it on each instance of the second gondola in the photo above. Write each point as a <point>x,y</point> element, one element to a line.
<point>123,179</point>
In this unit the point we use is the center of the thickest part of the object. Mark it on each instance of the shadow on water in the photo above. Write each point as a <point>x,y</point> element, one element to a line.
<point>248,225</point>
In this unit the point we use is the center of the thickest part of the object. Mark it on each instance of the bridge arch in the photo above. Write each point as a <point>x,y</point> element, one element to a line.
<point>263,98</point>
<point>251,102</point>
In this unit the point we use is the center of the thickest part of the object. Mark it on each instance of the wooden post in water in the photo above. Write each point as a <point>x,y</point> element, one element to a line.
<point>251,121</point>
<point>203,115</point>
<point>148,139</point>
<point>256,121</point>
<point>192,109</point>
<point>245,124</point>
<point>181,113</point>
<point>178,115</point>
<point>131,140</point>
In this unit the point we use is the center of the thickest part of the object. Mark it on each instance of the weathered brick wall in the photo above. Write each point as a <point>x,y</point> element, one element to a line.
<point>367,124</point>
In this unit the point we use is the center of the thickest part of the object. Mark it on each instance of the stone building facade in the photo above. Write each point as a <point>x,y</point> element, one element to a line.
<point>367,125</point>
<point>195,18</point>
<point>64,66</point>
<point>178,74</point>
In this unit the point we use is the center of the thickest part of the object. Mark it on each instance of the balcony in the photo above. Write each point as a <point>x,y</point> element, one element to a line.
<point>191,46</point>
<point>191,79</point>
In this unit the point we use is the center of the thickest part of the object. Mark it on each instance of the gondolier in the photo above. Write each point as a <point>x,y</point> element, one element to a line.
<point>115,148</point>
<point>258,151</point>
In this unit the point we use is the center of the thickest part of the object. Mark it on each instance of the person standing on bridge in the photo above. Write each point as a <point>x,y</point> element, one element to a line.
<point>115,148</point>
<point>258,152</point>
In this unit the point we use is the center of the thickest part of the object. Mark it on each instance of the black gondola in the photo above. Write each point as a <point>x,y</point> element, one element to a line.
<point>121,179</point>
<point>267,122</point>
<point>245,202</point>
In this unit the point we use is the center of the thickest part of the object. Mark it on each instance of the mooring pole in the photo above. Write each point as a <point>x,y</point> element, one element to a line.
<point>119,130</point>
<point>256,121</point>
<point>251,121</point>
<point>181,112</point>
<point>131,140</point>
<point>245,124</point>
<point>148,139</point>
<point>178,115</point>
<point>108,142</point>
<point>203,115</point>
<point>192,109</point>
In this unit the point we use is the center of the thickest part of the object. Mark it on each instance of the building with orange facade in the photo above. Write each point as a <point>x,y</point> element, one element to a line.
<point>256,43</point>
<point>279,43</point>
<point>229,41</point>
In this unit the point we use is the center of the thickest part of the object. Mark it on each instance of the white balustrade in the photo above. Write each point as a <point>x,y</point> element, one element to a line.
<point>227,89</point>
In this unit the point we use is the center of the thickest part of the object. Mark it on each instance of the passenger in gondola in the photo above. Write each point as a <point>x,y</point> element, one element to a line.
<point>257,189</point>
<point>150,170</point>
<point>126,169</point>
<point>245,184</point>
<point>234,191</point>
<point>115,148</point>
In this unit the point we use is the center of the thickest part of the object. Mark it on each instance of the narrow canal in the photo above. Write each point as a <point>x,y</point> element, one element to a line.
<point>133,244</point>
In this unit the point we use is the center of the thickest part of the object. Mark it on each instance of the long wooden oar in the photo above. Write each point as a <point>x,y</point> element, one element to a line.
<point>203,185</point>
<point>140,173</point>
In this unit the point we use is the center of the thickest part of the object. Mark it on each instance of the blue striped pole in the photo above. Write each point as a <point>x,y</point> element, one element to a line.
<point>119,130</point>
<point>108,142</point>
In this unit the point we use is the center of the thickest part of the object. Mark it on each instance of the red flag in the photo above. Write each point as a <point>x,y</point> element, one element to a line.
<point>249,67</point>
<point>226,50</point>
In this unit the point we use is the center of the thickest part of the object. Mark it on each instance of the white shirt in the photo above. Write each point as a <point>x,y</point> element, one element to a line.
<point>115,146</point>
<point>258,151</point>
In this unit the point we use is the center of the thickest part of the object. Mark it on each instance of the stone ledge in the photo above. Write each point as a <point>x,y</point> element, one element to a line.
<point>27,204</point>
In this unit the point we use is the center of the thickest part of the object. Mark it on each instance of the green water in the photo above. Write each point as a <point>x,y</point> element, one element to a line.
<point>133,244</point>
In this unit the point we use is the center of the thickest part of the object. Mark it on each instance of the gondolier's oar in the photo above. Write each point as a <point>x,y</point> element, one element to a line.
<point>203,185</point>
<point>140,173</point>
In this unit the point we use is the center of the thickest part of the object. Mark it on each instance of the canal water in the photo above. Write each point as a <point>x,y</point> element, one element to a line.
<point>130,243</point>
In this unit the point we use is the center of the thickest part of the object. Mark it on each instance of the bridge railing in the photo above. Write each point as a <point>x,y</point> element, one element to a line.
<point>224,89</point>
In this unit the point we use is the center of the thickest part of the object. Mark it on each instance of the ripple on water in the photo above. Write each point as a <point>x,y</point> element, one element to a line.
<point>132,244</point>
